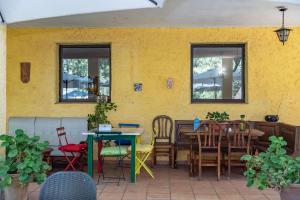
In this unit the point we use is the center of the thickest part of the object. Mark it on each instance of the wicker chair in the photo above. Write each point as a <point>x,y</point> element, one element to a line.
<point>68,186</point>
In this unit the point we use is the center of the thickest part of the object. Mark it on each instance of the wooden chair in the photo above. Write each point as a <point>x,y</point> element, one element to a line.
<point>162,127</point>
<point>209,135</point>
<point>239,143</point>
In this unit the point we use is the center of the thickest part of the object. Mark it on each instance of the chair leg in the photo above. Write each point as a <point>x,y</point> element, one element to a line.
<point>170,157</point>
<point>219,165</point>
<point>154,157</point>
<point>200,166</point>
<point>173,156</point>
<point>229,165</point>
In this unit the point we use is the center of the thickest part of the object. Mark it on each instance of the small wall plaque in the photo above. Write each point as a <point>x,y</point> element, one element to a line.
<point>170,83</point>
<point>138,87</point>
<point>25,72</point>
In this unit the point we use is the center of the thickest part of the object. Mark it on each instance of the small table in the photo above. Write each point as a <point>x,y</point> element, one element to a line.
<point>126,134</point>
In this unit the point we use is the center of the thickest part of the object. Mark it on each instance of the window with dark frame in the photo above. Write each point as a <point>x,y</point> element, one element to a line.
<point>218,73</point>
<point>85,72</point>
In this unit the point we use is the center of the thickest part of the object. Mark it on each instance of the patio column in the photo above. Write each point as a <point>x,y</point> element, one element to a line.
<point>2,80</point>
<point>227,77</point>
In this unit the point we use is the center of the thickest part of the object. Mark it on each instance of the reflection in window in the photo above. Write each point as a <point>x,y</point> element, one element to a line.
<point>85,72</point>
<point>218,73</point>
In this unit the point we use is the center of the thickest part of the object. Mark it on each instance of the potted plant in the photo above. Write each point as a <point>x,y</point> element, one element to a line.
<point>274,169</point>
<point>242,125</point>
<point>23,164</point>
<point>217,116</point>
<point>100,116</point>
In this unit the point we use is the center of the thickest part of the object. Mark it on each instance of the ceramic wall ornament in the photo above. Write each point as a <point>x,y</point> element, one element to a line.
<point>138,87</point>
<point>25,71</point>
<point>170,83</point>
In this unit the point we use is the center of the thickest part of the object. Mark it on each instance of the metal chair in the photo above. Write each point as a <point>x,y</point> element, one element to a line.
<point>68,186</point>
<point>162,126</point>
<point>143,152</point>
<point>72,152</point>
<point>119,152</point>
<point>126,125</point>
<point>239,143</point>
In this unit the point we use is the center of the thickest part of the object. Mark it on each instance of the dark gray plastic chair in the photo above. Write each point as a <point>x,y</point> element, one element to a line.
<point>68,186</point>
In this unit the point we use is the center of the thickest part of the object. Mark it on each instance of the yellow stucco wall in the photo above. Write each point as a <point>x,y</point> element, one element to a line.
<point>150,56</point>
<point>2,80</point>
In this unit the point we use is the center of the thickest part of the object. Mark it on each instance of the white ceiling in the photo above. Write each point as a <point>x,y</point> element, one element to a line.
<point>24,10</point>
<point>179,13</point>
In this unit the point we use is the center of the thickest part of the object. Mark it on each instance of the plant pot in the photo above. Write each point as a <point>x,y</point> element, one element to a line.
<point>290,193</point>
<point>271,118</point>
<point>15,191</point>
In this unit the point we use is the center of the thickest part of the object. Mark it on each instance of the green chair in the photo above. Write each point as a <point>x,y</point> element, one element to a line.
<point>119,152</point>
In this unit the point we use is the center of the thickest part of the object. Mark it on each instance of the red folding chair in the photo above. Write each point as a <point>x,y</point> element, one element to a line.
<point>72,152</point>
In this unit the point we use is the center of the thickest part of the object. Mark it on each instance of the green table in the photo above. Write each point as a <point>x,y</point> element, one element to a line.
<point>126,134</point>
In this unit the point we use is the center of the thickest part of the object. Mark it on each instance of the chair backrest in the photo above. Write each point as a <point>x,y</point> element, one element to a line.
<point>162,127</point>
<point>68,186</point>
<point>209,135</point>
<point>126,125</point>
<point>239,135</point>
<point>62,136</point>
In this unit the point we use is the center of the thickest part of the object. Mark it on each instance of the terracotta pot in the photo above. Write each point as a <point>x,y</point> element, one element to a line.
<point>290,193</point>
<point>15,191</point>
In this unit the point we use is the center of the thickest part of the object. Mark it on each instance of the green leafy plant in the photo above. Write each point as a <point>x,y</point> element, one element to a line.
<point>243,117</point>
<point>100,116</point>
<point>217,116</point>
<point>24,157</point>
<point>273,168</point>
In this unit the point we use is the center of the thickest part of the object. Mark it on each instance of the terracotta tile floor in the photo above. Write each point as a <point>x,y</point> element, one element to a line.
<point>176,184</point>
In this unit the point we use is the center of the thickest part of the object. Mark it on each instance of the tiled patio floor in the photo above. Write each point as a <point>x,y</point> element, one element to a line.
<point>175,184</point>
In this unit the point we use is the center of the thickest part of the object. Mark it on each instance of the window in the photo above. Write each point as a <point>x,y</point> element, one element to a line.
<point>218,73</point>
<point>85,72</point>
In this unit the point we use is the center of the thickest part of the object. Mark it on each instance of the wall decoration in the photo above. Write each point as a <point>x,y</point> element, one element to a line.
<point>25,72</point>
<point>138,87</point>
<point>170,83</point>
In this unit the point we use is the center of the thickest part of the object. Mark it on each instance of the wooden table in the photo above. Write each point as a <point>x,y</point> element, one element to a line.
<point>189,131</point>
<point>115,134</point>
<point>190,134</point>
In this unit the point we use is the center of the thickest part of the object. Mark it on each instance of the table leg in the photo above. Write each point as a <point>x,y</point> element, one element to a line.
<point>90,140</point>
<point>132,161</point>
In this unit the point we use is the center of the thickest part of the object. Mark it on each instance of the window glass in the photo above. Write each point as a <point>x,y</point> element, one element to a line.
<point>85,72</point>
<point>218,73</point>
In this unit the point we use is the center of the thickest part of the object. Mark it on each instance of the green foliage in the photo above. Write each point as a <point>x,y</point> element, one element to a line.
<point>24,157</point>
<point>273,168</point>
<point>217,116</point>
<point>242,117</point>
<point>100,116</point>
<point>78,67</point>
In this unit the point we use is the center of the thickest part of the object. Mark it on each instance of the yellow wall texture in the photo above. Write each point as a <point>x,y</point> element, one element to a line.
<point>2,80</point>
<point>150,56</point>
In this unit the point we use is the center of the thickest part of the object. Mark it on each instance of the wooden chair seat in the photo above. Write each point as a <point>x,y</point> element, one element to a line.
<point>163,145</point>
